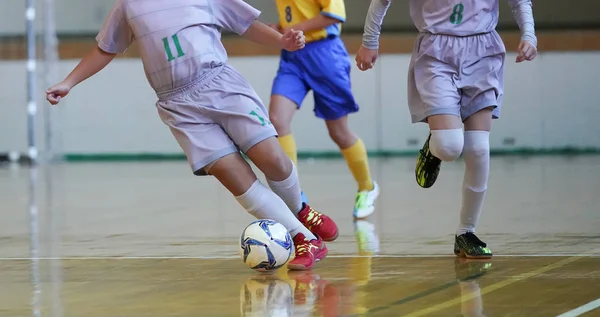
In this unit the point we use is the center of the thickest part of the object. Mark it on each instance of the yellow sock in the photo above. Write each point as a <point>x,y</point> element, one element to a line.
<point>360,271</point>
<point>288,144</point>
<point>356,157</point>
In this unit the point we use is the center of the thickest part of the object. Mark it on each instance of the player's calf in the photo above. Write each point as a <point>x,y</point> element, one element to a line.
<point>233,172</point>
<point>288,187</point>
<point>269,157</point>
<point>279,170</point>
<point>355,153</point>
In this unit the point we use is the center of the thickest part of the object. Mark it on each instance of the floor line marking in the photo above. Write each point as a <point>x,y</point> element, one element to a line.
<point>582,309</point>
<point>494,287</point>
<point>225,257</point>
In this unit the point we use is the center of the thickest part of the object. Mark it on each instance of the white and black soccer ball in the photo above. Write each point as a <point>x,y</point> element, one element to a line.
<point>266,245</point>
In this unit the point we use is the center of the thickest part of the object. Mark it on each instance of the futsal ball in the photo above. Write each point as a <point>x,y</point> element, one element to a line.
<point>265,245</point>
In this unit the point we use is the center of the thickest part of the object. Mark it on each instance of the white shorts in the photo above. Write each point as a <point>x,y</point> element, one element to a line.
<point>215,116</point>
<point>456,75</point>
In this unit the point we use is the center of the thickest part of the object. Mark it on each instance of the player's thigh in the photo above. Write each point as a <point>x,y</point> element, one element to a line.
<point>246,121</point>
<point>334,98</point>
<point>483,91</point>
<point>482,80</point>
<point>281,113</point>
<point>249,127</point>
<point>480,121</point>
<point>439,103</point>
<point>240,112</point>
<point>329,77</point>
<point>288,83</point>
<point>203,143</point>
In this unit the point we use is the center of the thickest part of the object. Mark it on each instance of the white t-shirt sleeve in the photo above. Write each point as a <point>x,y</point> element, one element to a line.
<point>116,34</point>
<point>523,13</point>
<point>375,16</point>
<point>235,15</point>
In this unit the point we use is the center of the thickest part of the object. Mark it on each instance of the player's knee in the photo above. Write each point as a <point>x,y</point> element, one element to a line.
<point>280,122</point>
<point>477,144</point>
<point>447,145</point>
<point>280,166</point>
<point>341,135</point>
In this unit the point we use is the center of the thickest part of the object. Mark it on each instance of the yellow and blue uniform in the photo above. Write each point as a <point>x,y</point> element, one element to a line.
<point>322,66</point>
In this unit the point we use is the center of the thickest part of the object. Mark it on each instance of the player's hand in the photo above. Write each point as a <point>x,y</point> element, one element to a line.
<point>366,58</point>
<point>293,40</point>
<point>55,93</point>
<point>526,52</point>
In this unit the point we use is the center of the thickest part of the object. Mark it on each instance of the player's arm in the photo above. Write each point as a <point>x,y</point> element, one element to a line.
<point>317,23</point>
<point>523,13</point>
<point>368,52</point>
<point>373,22</point>
<point>241,18</point>
<point>90,65</point>
<point>261,33</point>
<point>114,37</point>
<point>332,12</point>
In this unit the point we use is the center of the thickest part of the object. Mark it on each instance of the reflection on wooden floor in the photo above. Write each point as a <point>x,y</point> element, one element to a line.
<point>148,239</point>
<point>444,286</point>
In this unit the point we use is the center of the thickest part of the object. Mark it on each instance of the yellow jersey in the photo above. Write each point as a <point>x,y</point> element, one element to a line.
<point>292,12</point>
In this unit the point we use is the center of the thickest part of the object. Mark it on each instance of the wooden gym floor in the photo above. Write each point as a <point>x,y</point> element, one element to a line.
<point>149,239</point>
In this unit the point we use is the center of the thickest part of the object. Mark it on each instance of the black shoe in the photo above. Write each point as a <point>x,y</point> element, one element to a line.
<point>468,245</point>
<point>428,166</point>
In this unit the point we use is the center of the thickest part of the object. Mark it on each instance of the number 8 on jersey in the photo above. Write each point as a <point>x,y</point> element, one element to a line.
<point>456,16</point>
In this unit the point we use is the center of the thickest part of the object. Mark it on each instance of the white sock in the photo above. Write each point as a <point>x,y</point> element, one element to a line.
<point>262,203</point>
<point>476,154</point>
<point>289,190</point>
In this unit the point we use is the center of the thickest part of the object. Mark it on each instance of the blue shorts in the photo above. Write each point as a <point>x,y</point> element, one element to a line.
<point>323,66</point>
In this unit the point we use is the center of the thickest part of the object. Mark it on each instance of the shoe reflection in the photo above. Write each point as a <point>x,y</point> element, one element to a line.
<point>301,293</point>
<point>307,293</point>
<point>468,272</point>
<point>366,237</point>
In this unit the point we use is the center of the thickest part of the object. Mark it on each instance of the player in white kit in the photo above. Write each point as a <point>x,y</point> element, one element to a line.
<point>212,111</point>
<point>456,80</point>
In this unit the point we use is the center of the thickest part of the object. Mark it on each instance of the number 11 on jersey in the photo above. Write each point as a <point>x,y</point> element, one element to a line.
<point>167,45</point>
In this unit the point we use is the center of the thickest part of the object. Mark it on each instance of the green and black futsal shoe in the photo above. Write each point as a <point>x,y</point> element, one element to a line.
<point>469,246</point>
<point>428,166</point>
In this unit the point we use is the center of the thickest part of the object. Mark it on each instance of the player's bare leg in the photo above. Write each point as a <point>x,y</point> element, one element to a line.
<point>476,155</point>
<point>281,113</point>
<point>282,177</point>
<point>354,151</point>
<point>445,143</point>
<point>237,176</point>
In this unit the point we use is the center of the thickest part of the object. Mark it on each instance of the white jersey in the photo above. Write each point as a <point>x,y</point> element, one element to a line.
<point>452,17</point>
<point>180,40</point>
